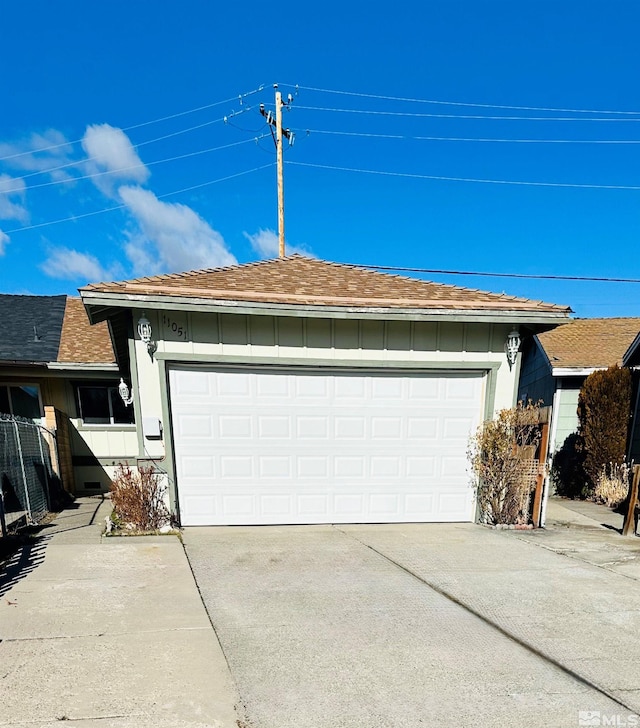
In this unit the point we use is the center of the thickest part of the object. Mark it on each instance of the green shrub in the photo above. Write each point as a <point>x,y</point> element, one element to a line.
<point>604,409</point>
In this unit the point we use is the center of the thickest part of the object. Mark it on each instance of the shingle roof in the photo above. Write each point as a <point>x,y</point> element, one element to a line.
<point>30,327</point>
<point>45,329</point>
<point>585,343</point>
<point>300,280</point>
<point>81,342</point>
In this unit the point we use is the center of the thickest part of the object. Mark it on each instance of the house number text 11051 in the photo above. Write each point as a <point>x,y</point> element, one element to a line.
<point>175,327</point>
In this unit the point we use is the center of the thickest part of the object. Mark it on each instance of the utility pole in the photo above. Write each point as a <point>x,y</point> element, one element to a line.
<point>276,124</point>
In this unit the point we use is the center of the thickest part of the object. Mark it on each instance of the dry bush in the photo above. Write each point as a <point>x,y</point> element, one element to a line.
<point>138,498</point>
<point>501,461</point>
<point>604,411</point>
<point>612,486</point>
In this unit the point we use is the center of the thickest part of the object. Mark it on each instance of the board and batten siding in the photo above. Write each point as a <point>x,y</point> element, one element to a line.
<point>536,381</point>
<point>566,413</point>
<point>214,338</point>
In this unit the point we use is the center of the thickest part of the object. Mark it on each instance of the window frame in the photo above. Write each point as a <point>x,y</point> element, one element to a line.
<point>111,388</point>
<point>8,385</point>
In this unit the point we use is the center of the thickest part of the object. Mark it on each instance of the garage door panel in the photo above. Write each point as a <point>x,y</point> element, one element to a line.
<point>312,467</point>
<point>279,507</point>
<point>386,505</point>
<point>459,388</point>
<point>313,428</point>
<point>457,428</point>
<point>311,387</point>
<point>233,427</point>
<point>275,467</point>
<point>450,503</point>
<point>453,467</point>
<point>271,385</point>
<point>313,505</point>
<point>257,447</point>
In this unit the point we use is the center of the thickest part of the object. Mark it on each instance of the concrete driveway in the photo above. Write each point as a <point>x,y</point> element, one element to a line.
<point>410,625</point>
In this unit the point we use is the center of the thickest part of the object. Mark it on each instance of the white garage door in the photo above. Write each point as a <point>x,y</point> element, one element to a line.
<point>265,446</point>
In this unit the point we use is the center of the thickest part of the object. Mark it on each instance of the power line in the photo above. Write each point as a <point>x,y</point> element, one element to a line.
<point>468,139</point>
<point>461,116</point>
<point>122,207</point>
<point>531,276</point>
<point>188,129</point>
<point>457,103</point>
<point>466,179</point>
<point>133,166</point>
<point>240,97</point>
<point>135,146</point>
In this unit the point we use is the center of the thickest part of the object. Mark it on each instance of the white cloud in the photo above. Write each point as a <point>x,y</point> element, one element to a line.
<point>40,153</point>
<point>266,244</point>
<point>11,198</point>
<point>171,237</point>
<point>70,264</point>
<point>112,157</point>
<point>4,239</point>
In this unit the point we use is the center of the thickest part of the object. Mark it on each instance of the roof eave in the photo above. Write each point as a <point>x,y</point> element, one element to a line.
<point>83,366</point>
<point>187,303</point>
<point>575,371</point>
<point>23,363</point>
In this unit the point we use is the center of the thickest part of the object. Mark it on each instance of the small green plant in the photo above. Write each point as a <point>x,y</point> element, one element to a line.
<point>612,486</point>
<point>138,498</point>
<point>501,456</point>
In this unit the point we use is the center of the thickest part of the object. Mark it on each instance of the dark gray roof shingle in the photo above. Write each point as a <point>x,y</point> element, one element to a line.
<point>19,341</point>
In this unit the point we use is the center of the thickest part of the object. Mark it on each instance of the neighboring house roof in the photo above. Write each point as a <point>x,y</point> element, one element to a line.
<point>589,343</point>
<point>81,342</point>
<point>30,327</point>
<point>632,354</point>
<point>52,331</point>
<point>301,281</point>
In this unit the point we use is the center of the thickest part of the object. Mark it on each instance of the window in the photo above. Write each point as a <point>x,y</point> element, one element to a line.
<point>20,400</point>
<point>100,404</point>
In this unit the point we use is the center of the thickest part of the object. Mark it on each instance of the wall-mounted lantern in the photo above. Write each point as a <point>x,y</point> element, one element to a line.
<point>145,332</point>
<point>512,346</point>
<point>124,392</point>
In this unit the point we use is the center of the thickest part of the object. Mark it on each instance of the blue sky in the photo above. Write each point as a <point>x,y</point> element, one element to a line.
<point>104,88</point>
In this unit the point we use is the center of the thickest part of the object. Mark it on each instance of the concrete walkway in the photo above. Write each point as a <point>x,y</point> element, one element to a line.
<point>589,533</point>
<point>107,632</point>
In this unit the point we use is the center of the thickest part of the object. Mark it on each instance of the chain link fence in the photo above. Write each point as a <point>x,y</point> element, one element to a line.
<point>26,472</point>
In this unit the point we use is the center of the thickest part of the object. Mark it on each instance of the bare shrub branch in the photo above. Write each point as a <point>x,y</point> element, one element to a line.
<point>138,498</point>
<point>502,454</point>
<point>613,483</point>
